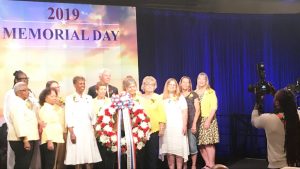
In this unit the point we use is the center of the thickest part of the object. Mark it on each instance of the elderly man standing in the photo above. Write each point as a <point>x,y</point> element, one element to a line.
<point>104,77</point>
<point>23,127</point>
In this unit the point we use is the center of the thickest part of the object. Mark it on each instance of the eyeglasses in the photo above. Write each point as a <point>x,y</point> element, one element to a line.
<point>149,84</point>
<point>24,90</point>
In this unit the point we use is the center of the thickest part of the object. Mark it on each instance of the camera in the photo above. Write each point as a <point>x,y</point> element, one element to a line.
<point>295,88</point>
<point>262,87</point>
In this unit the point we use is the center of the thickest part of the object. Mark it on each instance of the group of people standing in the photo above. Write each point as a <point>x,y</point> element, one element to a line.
<point>182,120</point>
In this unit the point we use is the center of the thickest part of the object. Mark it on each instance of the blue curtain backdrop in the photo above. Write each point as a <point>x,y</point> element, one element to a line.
<point>227,47</point>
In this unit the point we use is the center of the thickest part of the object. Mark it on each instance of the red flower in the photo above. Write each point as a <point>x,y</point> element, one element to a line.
<point>106,112</point>
<point>123,149</point>
<point>108,145</point>
<point>102,125</point>
<point>100,118</point>
<point>138,120</point>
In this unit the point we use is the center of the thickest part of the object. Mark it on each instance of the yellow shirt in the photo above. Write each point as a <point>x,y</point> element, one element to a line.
<point>22,121</point>
<point>155,111</point>
<point>100,104</point>
<point>52,116</point>
<point>208,102</point>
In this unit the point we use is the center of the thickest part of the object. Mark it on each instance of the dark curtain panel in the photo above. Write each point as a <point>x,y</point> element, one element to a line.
<point>227,47</point>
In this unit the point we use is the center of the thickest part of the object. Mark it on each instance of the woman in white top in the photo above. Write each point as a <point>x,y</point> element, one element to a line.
<point>174,142</point>
<point>81,142</point>
<point>52,133</point>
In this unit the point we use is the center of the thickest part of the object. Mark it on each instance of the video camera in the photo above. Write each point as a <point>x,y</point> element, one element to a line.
<point>262,87</point>
<point>295,88</point>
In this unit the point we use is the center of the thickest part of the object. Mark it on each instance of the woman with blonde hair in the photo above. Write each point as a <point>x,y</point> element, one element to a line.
<point>174,142</point>
<point>208,132</point>
<point>130,86</point>
<point>153,106</point>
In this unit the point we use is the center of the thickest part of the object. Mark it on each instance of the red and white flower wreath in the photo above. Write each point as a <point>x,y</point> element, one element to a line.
<point>108,136</point>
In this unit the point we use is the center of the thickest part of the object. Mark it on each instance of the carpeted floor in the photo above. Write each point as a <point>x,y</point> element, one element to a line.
<point>249,163</point>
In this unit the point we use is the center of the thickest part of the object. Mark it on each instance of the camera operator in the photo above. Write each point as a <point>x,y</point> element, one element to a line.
<point>282,130</point>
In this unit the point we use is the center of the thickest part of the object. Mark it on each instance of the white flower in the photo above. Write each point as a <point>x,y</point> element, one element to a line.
<point>107,128</point>
<point>114,148</point>
<point>144,125</point>
<point>98,127</point>
<point>140,134</point>
<point>134,130</point>
<point>106,119</point>
<point>135,140</point>
<point>123,141</point>
<point>100,113</point>
<point>134,119</point>
<point>134,108</point>
<point>104,139</point>
<point>111,110</point>
<point>114,138</point>
<point>141,116</point>
<point>75,99</point>
<point>148,135</point>
<point>140,145</point>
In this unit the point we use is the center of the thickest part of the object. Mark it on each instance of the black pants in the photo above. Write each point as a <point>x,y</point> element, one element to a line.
<point>151,151</point>
<point>22,157</point>
<point>47,156</point>
<point>108,158</point>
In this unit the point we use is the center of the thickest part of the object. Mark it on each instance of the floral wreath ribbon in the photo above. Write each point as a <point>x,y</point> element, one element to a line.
<point>123,104</point>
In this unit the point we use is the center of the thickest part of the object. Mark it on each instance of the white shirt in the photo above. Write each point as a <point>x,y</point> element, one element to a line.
<point>22,121</point>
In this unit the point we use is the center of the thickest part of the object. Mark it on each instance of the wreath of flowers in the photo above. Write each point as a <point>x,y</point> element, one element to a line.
<point>140,122</point>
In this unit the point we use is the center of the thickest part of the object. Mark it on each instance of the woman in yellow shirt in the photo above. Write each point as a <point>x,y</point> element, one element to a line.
<point>53,130</point>
<point>60,105</point>
<point>153,106</point>
<point>208,131</point>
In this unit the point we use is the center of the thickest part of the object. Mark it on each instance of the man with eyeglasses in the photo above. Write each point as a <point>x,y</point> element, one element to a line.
<point>22,127</point>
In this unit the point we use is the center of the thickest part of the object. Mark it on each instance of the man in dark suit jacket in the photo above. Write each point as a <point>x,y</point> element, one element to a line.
<point>104,77</point>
